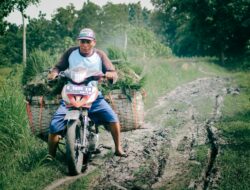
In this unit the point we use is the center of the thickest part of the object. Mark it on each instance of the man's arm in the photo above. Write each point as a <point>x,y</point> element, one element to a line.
<point>107,66</point>
<point>62,65</point>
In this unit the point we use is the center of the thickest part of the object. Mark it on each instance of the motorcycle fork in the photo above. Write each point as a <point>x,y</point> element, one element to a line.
<point>84,124</point>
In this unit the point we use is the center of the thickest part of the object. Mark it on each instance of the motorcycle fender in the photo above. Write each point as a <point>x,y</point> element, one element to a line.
<point>72,115</point>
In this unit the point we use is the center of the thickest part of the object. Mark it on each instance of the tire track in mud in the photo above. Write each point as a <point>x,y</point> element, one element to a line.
<point>211,173</point>
<point>66,180</point>
<point>160,152</point>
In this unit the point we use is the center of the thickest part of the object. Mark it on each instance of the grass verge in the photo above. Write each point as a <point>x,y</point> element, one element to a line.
<point>21,154</point>
<point>234,159</point>
<point>163,75</point>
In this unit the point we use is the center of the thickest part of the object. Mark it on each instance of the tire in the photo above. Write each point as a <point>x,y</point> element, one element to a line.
<point>74,154</point>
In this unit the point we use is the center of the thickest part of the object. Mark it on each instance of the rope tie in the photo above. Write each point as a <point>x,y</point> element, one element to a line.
<point>28,109</point>
<point>40,113</point>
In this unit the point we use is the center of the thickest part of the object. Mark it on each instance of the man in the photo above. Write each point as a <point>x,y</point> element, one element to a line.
<point>85,55</point>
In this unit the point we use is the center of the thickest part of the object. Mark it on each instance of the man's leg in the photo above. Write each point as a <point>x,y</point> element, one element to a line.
<point>53,141</point>
<point>57,124</point>
<point>115,129</point>
<point>101,112</point>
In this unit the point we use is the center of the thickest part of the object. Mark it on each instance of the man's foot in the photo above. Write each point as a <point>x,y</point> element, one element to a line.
<point>121,154</point>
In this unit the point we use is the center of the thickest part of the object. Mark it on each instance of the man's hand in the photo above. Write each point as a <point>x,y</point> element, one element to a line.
<point>52,75</point>
<point>111,75</point>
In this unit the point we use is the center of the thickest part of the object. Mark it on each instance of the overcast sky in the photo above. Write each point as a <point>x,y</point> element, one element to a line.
<point>49,7</point>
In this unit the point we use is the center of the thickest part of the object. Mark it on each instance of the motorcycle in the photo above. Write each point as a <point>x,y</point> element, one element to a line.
<point>81,133</point>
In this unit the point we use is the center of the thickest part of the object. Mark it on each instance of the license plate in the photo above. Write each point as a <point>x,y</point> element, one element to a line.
<point>75,89</point>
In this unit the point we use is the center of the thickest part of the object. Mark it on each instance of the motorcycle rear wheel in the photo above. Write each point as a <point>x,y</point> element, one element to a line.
<point>74,153</point>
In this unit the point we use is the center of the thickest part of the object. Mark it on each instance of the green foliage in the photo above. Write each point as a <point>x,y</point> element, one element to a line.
<point>88,17</point>
<point>4,72</point>
<point>137,16</point>
<point>21,154</point>
<point>37,62</point>
<point>115,15</point>
<point>115,53</point>
<point>127,78</point>
<point>13,120</point>
<point>111,23</point>
<point>63,21</point>
<point>7,6</point>
<point>54,36</point>
<point>144,43</point>
<point>204,28</point>
<point>11,46</point>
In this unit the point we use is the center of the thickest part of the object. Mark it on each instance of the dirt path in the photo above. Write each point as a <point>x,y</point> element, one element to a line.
<point>161,153</point>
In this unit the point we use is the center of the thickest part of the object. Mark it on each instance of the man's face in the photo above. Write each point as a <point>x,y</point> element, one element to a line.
<point>86,46</point>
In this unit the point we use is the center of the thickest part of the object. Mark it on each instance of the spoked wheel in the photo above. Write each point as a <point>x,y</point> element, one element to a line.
<point>74,152</point>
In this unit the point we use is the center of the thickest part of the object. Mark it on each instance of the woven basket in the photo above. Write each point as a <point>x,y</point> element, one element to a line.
<point>40,111</point>
<point>129,108</point>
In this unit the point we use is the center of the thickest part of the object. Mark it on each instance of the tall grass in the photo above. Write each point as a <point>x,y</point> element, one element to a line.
<point>21,153</point>
<point>13,120</point>
<point>4,71</point>
<point>234,160</point>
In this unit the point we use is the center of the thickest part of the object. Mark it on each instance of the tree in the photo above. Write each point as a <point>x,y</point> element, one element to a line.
<point>40,33</point>
<point>11,45</point>
<point>64,21</point>
<point>211,27</point>
<point>135,14</point>
<point>88,17</point>
<point>9,5</point>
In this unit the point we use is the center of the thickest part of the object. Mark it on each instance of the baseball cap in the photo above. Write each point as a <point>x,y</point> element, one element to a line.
<point>87,34</point>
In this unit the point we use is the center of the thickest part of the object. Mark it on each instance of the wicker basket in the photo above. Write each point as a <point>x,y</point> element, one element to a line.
<point>40,111</point>
<point>130,108</point>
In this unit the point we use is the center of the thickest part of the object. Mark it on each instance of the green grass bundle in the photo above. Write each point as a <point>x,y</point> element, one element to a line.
<point>128,74</point>
<point>35,75</point>
<point>37,62</point>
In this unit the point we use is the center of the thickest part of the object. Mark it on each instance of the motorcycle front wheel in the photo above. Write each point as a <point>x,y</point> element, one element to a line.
<point>74,152</point>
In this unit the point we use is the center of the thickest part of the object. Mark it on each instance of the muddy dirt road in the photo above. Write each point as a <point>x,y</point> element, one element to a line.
<point>160,154</point>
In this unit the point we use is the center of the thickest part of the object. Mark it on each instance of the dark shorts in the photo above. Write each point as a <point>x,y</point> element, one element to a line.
<point>100,112</point>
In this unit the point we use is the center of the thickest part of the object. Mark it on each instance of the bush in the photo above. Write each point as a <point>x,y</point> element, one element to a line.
<point>144,43</point>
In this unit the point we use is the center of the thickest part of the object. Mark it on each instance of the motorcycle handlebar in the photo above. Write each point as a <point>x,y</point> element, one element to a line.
<point>62,75</point>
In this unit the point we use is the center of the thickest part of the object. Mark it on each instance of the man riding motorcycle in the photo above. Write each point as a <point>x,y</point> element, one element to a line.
<point>88,57</point>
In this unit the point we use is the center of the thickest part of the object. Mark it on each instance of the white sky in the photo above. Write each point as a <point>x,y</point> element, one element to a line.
<point>49,7</point>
